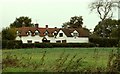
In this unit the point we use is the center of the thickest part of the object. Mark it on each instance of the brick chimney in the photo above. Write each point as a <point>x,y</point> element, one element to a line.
<point>36,25</point>
<point>46,26</point>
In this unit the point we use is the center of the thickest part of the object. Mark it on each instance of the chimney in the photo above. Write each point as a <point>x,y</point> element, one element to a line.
<point>55,27</point>
<point>36,25</point>
<point>46,26</point>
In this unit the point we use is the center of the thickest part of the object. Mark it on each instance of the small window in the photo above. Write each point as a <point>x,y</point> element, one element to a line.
<point>58,41</point>
<point>29,33</point>
<point>46,33</point>
<point>29,41</point>
<point>36,41</point>
<point>63,41</point>
<point>36,33</point>
<point>18,32</point>
<point>61,35</point>
<point>55,34</point>
<point>75,34</point>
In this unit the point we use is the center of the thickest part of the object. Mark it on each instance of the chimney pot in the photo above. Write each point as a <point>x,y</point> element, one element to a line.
<point>46,26</point>
<point>36,25</point>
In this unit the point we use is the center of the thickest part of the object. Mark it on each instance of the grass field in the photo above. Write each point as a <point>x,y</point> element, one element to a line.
<point>54,59</point>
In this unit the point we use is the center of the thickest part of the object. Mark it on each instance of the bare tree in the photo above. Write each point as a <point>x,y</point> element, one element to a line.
<point>104,8</point>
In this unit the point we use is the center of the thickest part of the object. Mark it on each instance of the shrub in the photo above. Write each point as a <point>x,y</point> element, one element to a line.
<point>104,42</point>
<point>11,44</point>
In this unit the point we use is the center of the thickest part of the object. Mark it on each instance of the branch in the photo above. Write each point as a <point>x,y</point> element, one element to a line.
<point>98,10</point>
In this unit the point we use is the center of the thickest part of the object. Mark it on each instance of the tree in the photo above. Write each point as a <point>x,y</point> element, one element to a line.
<point>75,22</point>
<point>22,21</point>
<point>8,33</point>
<point>105,10</point>
<point>111,28</point>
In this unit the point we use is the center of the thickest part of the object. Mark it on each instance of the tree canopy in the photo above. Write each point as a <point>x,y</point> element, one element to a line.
<point>9,33</point>
<point>22,21</point>
<point>110,28</point>
<point>75,22</point>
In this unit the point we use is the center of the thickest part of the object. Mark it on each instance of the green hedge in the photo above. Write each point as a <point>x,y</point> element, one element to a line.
<point>51,45</point>
<point>104,42</point>
<point>11,44</point>
<point>6,44</point>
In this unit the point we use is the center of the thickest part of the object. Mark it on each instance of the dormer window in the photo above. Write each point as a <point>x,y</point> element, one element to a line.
<point>55,34</point>
<point>18,32</point>
<point>29,33</point>
<point>36,33</point>
<point>75,34</point>
<point>46,33</point>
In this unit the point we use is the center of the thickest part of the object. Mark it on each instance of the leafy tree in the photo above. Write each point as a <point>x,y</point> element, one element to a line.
<point>111,28</point>
<point>22,21</point>
<point>8,34</point>
<point>75,22</point>
<point>105,10</point>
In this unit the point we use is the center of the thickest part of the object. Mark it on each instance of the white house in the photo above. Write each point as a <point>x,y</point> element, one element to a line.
<point>52,35</point>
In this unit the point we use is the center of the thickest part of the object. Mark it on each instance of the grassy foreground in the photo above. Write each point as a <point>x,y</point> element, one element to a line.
<point>55,59</point>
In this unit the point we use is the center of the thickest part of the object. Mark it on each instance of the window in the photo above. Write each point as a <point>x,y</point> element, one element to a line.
<point>75,34</point>
<point>55,34</point>
<point>29,33</point>
<point>18,32</point>
<point>63,41</point>
<point>36,41</point>
<point>46,33</point>
<point>29,41</point>
<point>60,34</point>
<point>58,41</point>
<point>36,33</point>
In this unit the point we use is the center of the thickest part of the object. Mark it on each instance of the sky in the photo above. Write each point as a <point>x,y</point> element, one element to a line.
<point>48,12</point>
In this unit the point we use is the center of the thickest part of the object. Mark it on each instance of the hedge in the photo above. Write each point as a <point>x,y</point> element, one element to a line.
<point>51,45</point>
<point>11,44</point>
<point>105,42</point>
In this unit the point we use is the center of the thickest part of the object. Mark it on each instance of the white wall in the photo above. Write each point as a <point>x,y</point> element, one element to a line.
<point>33,38</point>
<point>77,40</point>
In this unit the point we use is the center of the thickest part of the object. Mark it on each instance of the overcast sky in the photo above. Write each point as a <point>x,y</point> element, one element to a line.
<point>47,12</point>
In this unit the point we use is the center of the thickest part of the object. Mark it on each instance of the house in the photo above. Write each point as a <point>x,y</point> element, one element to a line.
<point>53,35</point>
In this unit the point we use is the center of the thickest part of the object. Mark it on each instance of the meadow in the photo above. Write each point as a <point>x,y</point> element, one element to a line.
<point>56,59</point>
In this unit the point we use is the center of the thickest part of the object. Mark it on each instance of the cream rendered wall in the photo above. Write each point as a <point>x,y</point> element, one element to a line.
<point>77,40</point>
<point>52,39</point>
<point>33,38</point>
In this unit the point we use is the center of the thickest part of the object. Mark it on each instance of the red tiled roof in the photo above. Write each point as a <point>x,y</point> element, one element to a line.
<point>23,31</point>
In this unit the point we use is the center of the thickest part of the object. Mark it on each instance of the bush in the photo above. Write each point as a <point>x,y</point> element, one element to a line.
<point>104,42</point>
<point>11,44</point>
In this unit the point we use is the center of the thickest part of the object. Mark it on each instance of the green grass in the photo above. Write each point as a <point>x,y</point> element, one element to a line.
<point>91,57</point>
